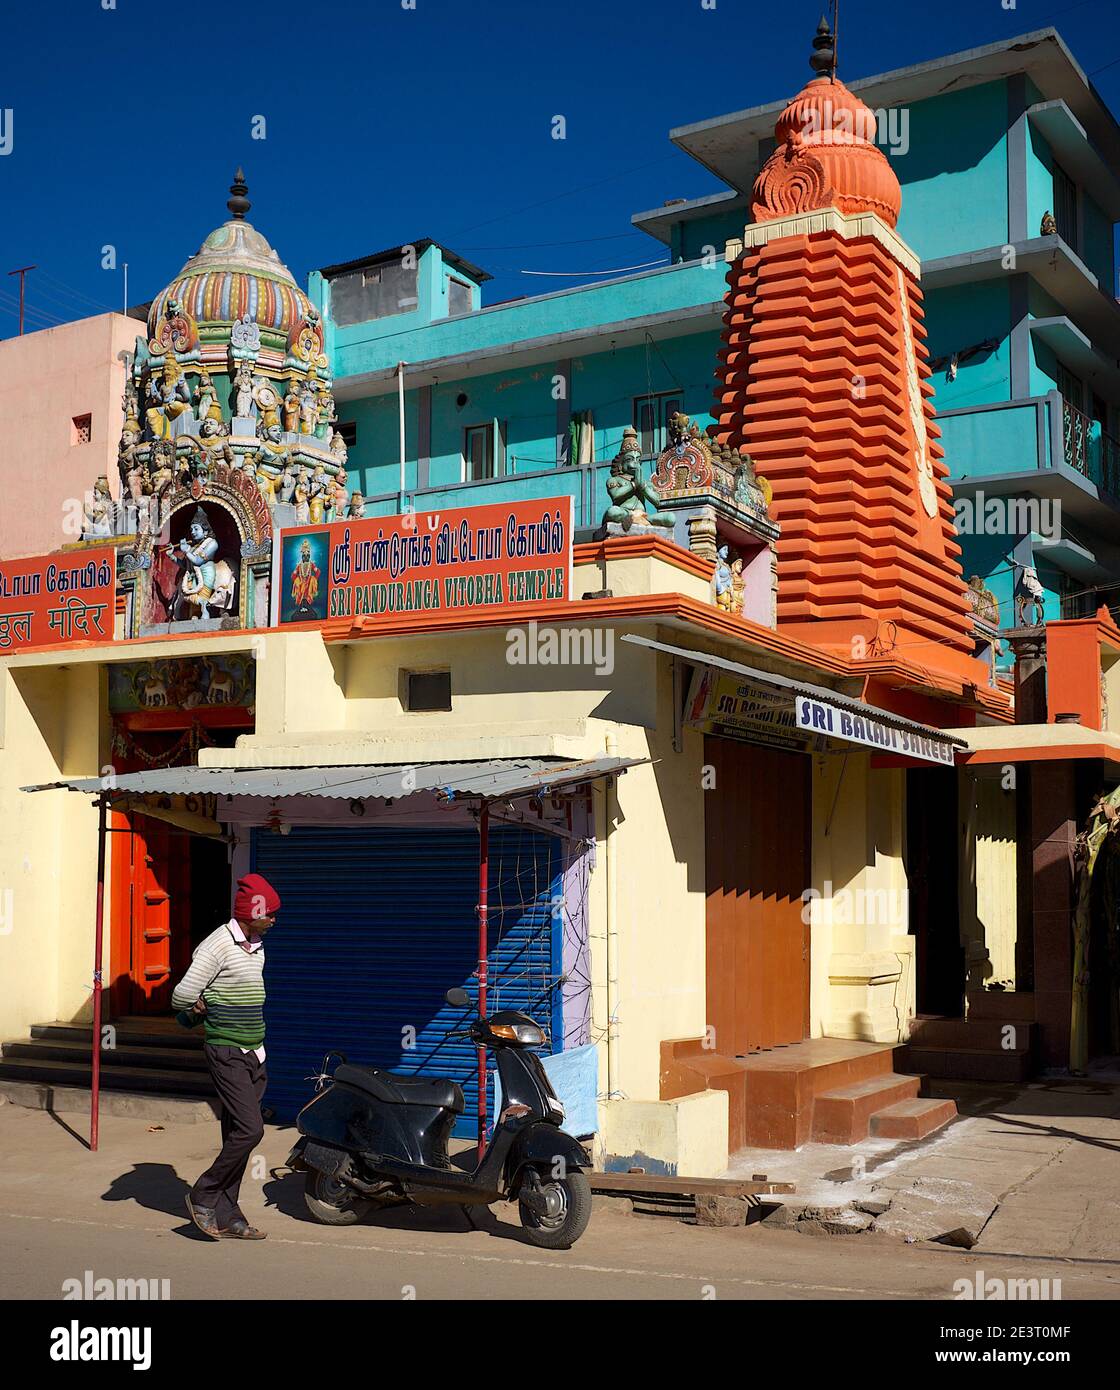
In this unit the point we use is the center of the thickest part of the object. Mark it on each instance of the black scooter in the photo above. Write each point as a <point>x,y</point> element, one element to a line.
<point>374,1139</point>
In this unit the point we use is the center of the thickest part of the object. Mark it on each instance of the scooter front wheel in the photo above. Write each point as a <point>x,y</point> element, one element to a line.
<point>569,1210</point>
<point>331,1201</point>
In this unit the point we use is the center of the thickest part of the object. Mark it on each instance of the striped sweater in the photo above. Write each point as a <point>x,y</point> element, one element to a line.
<point>231,983</point>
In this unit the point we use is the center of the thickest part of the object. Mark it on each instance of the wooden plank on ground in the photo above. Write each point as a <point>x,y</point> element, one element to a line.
<point>619,1183</point>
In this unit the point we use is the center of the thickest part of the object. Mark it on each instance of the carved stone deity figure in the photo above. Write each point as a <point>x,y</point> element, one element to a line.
<point>98,512</point>
<point>357,507</point>
<point>302,496</point>
<point>628,493</point>
<point>291,406</point>
<point>1031,595</point>
<point>207,398</point>
<point>317,493</point>
<point>724,583</point>
<point>308,406</point>
<point>338,449</point>
<point>170,397</point>
<point>340,498</point>
<point>268,403</point>
<point>286,483</point>
<point>243,391</point>
<point>130,403</point>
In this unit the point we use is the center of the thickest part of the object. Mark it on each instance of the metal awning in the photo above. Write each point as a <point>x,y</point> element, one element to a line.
<point>803,690</point>
<point>491,780</point>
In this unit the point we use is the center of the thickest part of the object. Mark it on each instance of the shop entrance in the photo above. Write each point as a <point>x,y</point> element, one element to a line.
<point>757,863</point>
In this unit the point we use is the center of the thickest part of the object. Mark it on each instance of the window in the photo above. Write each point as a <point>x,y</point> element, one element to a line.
<point>349,431</point>
<point>484,451</point>
<point>458,297</point>
<point>1065,207</point>
<point>426,691</point>
<point>376,292</point>
<point>651,419</point>
<point>1071,387</point>
<point>81,429</point>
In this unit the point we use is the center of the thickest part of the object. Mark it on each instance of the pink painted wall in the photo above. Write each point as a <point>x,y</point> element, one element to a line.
<point>46,380</point>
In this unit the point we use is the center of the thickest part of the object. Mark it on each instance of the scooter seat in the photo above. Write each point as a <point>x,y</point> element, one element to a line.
<point>391,1089</point>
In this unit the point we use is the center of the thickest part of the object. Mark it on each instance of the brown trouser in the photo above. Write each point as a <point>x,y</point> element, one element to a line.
<point>239,1079</point>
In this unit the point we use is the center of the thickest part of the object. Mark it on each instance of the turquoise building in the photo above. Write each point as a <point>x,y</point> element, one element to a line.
<point>1008,160</point>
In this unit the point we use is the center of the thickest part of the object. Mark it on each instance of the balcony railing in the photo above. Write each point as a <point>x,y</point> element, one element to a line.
<point>1095,454</point>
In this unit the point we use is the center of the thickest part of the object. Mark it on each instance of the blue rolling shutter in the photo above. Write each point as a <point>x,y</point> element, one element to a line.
<point>376,924</point>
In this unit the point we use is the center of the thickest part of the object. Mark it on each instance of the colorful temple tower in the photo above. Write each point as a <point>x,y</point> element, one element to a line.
<point>228,434</point>
<point>824,382</point>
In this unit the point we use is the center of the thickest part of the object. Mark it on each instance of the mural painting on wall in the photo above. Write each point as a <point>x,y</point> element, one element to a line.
<point>174,683</point>
<point>229,433</point>
<point>506,553</point>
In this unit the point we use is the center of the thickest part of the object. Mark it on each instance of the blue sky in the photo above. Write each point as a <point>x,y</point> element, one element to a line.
<point>386,125</point>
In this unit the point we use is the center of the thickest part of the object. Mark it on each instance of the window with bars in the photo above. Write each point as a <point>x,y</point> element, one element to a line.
<point>1065,207</point>
<point>81,429</point>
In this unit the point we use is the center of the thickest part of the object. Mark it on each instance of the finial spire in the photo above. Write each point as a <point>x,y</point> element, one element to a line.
<point>823,58</point>
<point>239,204</point>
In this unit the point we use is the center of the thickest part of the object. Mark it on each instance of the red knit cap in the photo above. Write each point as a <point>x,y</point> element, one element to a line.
<point>255,898</point>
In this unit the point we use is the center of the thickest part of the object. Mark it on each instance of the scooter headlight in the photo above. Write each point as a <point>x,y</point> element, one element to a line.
<point>527,1033</point>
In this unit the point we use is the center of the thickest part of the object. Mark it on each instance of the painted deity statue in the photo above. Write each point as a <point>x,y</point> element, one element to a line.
<point>302,496</point>
<point>305,581</point>
<point>243,388</point>
<point>629,494</point>
<point>170,397</point>
<point>268,402</point>
<point>308,407</point>
<point>207,398</point>
<point>291,406</point>
<point>98,512</point>
<point>207,581</point>
<point>357,507</point>
<point>338,449</point>
<point>317,493</point>
<point>723,579</point>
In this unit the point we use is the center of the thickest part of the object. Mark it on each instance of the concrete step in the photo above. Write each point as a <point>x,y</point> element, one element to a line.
<point>173,1082</point>
<point>912,1119</point>
<point>166,1058</point>
<point>140,1105</point>
<point>187,1039</point>
<point>1016,1005</point>
<point>966,1064</point>
<point>843,1115</point>
<point>972,1033</point>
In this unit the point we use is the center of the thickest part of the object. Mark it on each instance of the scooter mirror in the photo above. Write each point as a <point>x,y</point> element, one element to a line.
<point>458,998</point>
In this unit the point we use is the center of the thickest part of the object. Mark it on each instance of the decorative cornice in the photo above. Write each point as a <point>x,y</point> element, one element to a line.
<point>848,225</point>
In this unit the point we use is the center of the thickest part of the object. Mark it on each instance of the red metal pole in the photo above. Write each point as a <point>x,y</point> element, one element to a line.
<point>483,952</point>
<point>95,1067</point>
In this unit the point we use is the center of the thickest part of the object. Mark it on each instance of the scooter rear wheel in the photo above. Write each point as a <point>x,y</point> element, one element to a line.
<point>561,1229</point>
<point>331,1201</point>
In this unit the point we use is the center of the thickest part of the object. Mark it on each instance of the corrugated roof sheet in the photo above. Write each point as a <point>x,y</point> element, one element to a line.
<point>496,778</point>
<point>814,692</point>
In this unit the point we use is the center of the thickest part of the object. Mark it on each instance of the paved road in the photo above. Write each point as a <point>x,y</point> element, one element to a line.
<point>119,1214</point>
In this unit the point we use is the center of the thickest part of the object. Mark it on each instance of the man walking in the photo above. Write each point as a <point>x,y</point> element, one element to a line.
<point>225,984</point>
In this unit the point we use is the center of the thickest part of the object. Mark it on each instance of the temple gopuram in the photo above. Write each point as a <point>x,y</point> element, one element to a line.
<point>228,434</point>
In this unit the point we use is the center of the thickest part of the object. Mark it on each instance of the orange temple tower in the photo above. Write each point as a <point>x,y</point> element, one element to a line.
<point>824,382</point>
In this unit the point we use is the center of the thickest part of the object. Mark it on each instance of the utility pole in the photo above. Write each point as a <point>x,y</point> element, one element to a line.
<point>22,273</point>
<point>125,310</point>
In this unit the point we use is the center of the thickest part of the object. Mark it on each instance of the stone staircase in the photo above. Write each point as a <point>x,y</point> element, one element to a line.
<point>151,1056</point>
<point>823,1090</point>
<point>996,1042</point>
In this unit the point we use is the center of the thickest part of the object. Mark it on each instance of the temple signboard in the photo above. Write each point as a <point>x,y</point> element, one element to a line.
<point>48,600</point>
<point>470,558</point>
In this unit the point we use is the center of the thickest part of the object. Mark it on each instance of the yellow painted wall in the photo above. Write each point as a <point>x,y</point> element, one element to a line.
<point>989,903</point>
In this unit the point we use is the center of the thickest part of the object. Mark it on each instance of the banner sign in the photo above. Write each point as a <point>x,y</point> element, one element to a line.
<point>51,599</point>
<point>720,702</point>
<point>831,721</point>
<point>424,562</point>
